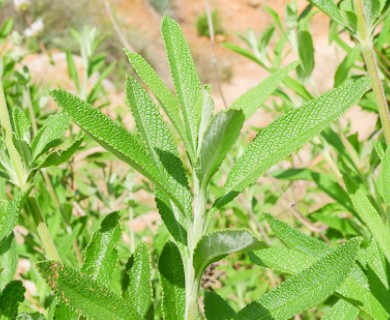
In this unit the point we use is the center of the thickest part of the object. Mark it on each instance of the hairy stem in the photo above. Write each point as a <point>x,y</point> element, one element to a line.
<point>195,232</point>
<point>365,39</point>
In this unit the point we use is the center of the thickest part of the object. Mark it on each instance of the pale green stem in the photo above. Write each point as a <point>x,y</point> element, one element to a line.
<point>365,39</point>
<point>32,205</point>
<point>195,232</point>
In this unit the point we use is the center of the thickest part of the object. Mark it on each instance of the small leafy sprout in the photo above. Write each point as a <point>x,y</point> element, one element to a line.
<point>181,190</point>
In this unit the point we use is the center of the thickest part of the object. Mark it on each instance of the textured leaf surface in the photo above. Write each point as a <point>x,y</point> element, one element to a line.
<point>8,260</point>
<point>219,137</point>
<point>288,133</point>
<point>138,293</point>
<point>184,76</point>
<point>101,256</point>
<point>50,135</point>
<point>250,101</point>
<point>216,308</point>
<point>292,261</point>
<point>112,137</point>
<point>158,140</point>
<point>330,8</point>
<point>369,215</point>
<point>12,295</point>
<point>170,266</point>
<point>342,310</point>
<point>306,51</point>
<point>307,288</point>
<point>63,156</point>
<point>214,246</point>
<point>84,295</point>
<point>9,212</point>
<point>167,99</point>
<point>295,239</point>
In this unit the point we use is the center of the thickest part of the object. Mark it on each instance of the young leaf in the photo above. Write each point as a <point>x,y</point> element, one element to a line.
<point>101,256</point>
<point>214,246</point>
<point>369,215</point>
<point>250,101</point>
<point>72,69</point>
<point>219,137</point>
<point>138,291</point>
<point>207,114</point>
<point>216,308</point>
<point>184,77</point>
<point>114,138</point>
<point>21,124</point>
<point>330,8</point>
<point>63,156</point>
<point>295,239</point>
<point>82,294</point>
<point>170,266</point>
<point>8,260</point>
<point>158,140</point>
<point>306,289</point>
<point>50,135</point>
<point>288,133</point>
<point>342,310</point>
<point>166,98</point>
<point>306,52</point>
<point>11,297</point>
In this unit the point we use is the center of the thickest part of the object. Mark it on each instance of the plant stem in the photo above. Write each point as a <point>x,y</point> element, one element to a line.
<point>43,232</point>
<point>365,39</point>
<point>32,205</point>
<point>195,232</point>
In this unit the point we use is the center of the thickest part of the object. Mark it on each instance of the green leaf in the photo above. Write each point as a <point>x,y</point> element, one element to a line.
<point>8,260</point>
<point>11,297</point>
<point>184,77</point>
<point>113,137</point>
<point>101,256</point>
<point>288,133</point>
<point>158,140</point>
<point>329,7</point>
<point>170,266</point>
<point>73,74</point>
<point>63,156</point>
<point>292,262</point>
<point>214,246</point>
<point>243,52</point>
<point>308,288</point>
<point>166,98</point>
<point>219,137</point>
<point>83,295</point>
<point>172,217</point>
<point>295,239</point>
<point>306,51</point>
<point>282,259</point>
<point>384,178</point>
<point>9,212</point>
<point>21,124</point>
<point>50,135</point>
<point>369,215</point>
<point>64,313</point>
<point>207,114</point>
<point>216,308</point>
<point>342,310</point>
<point>345,67</point>
<point>250,101</point>
<point>138,291</point>
<point>6,27</point>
